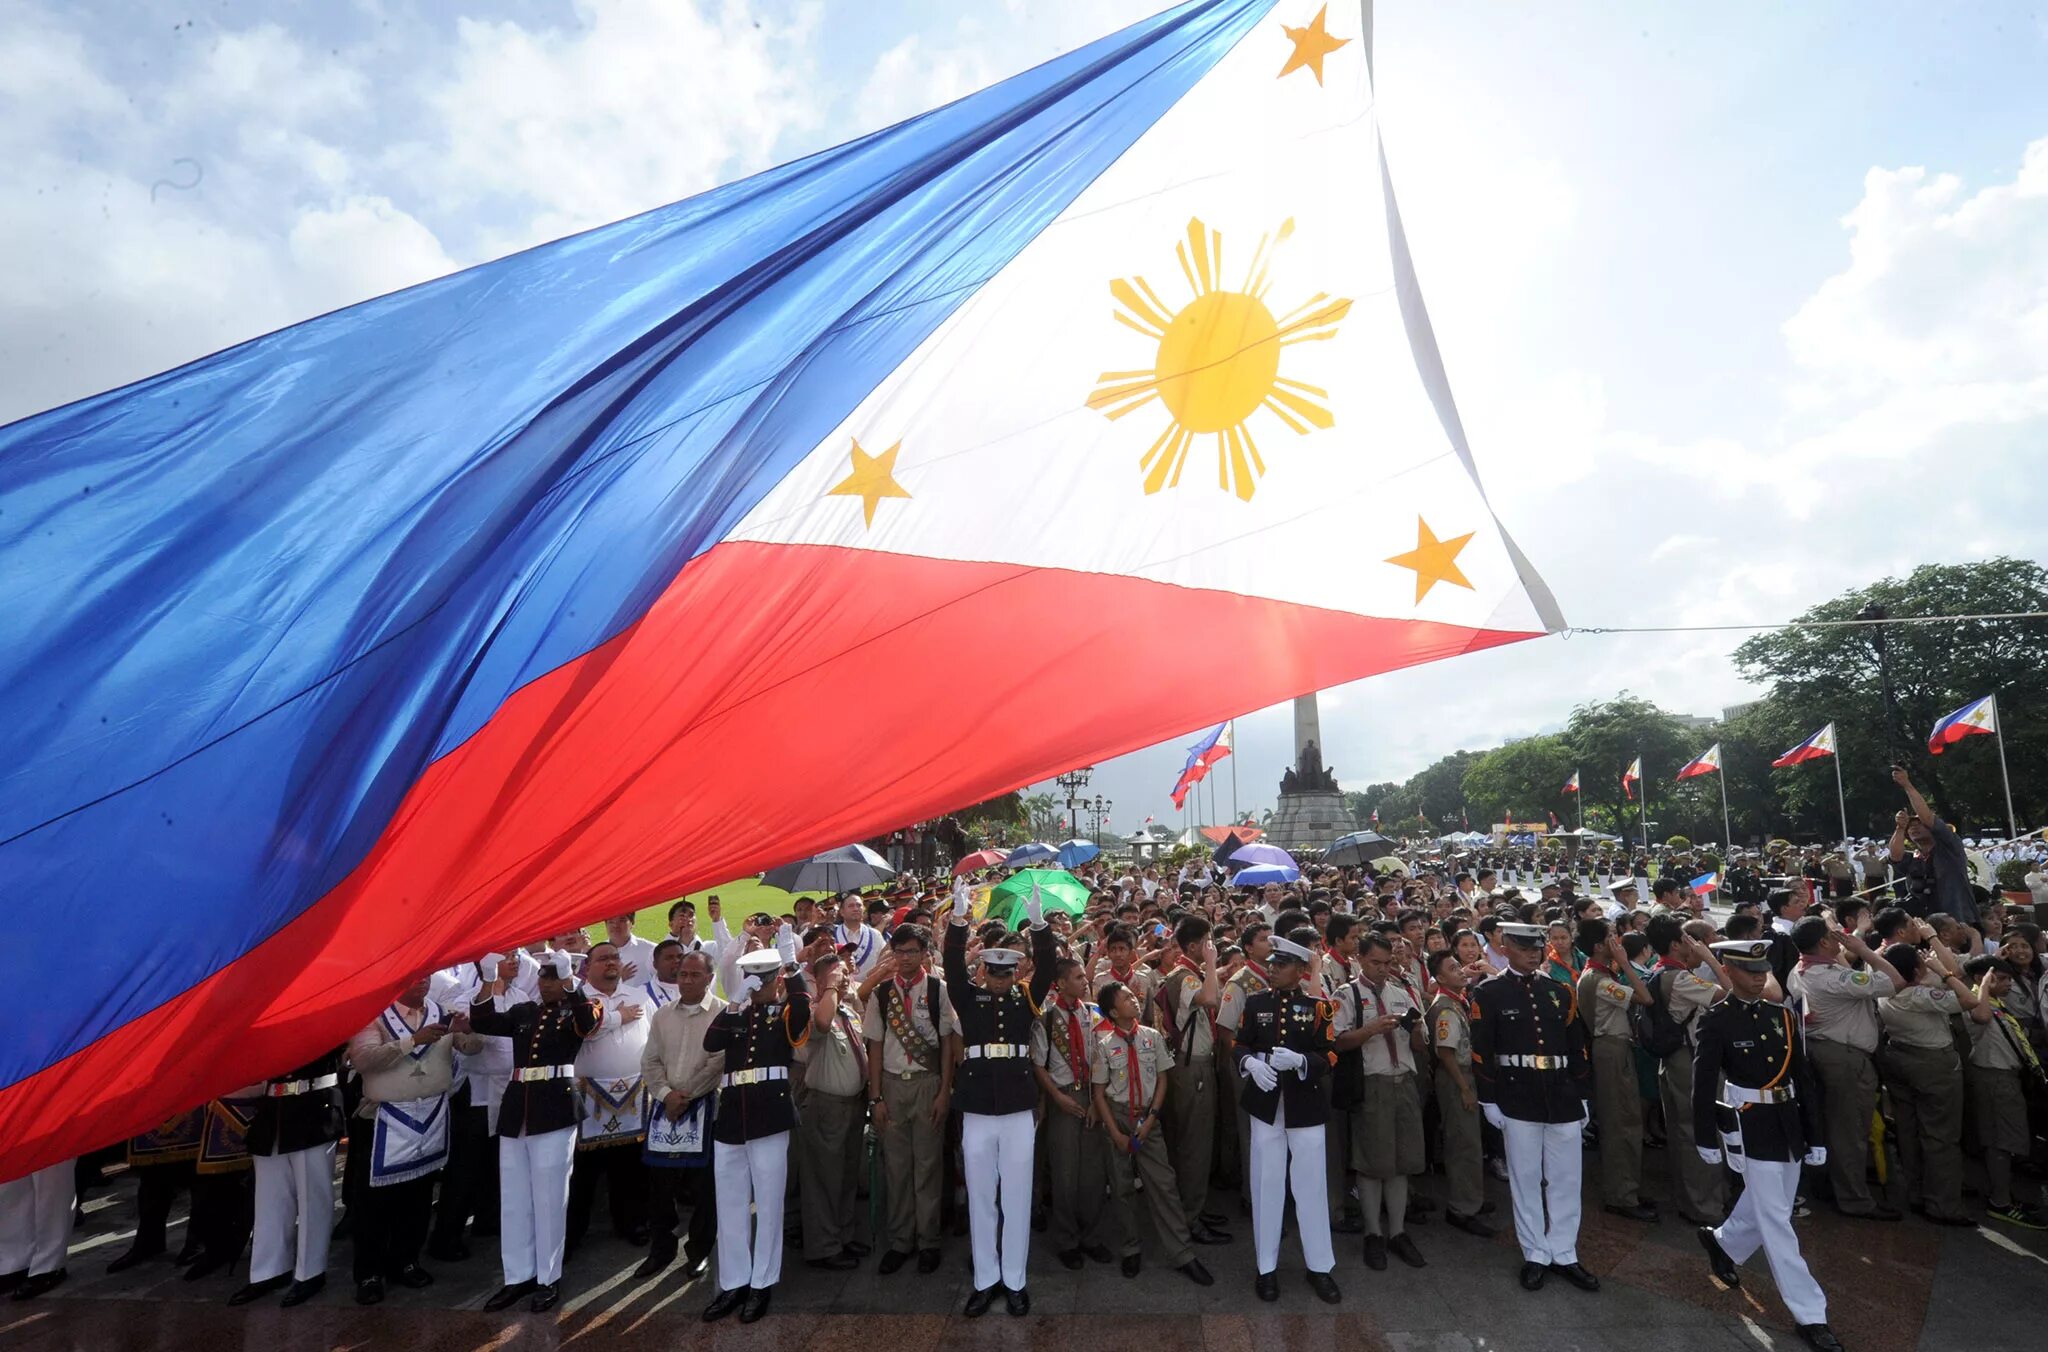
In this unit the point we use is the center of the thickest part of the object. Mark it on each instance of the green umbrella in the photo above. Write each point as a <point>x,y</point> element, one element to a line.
<point>1058,889</point>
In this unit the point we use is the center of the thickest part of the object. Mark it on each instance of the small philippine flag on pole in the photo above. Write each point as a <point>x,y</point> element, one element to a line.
<point>1201,756</point>
<point>1978,716</point>
<point>1706,763</point>
<point>1821,744</point>
<point>1705,883</point>
<point>1632,777</point>
<point>1572,785</point>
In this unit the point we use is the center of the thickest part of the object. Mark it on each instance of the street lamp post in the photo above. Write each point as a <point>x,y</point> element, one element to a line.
<point>1073,783</point>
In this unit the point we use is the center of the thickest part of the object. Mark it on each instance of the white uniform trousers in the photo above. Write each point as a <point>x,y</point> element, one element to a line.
<point>1543,1162</point>
<point>995,1152</point>
<point>1284,1157</point>
<point>1763,1218</point>
<point>35,1220</point>
<point>533,1204</point>
<point>752,1181</point>
<point>294,1214</point>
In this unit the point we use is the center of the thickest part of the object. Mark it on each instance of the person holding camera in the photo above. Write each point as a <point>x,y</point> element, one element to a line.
<point>1938,871</point>
<point>1376,1017</point>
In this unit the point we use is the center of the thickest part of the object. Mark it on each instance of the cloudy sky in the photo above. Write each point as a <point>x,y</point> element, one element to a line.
<point>1743,304</point>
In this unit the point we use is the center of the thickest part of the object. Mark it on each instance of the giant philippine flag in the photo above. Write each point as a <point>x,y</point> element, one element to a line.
<point>697,543</point>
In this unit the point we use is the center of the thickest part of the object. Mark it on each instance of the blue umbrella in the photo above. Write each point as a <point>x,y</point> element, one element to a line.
<point>1259,852</point>
<point>1077,852</point>
<point>1033,853</point>
<point>849,866</point>
<point>1258,875</point>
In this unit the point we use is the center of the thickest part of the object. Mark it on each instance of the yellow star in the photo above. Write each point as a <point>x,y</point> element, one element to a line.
<point>1311,45</point>
<point>1433,560</point>
<point>873,478</point>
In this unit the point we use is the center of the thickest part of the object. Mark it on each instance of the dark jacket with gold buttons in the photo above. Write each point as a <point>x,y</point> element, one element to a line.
<point>1755,1044</point>
<point>1299,1022</point>
<point>542,1035</point>
<point>280,1125</point>
<point>757,1037</point>
<point>1517,1019</point>
<point>997,1085</point>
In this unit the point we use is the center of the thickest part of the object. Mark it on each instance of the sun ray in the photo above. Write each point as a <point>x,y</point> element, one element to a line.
<point>1308,410</point>
<point>1144,307</point>
<point>1152,296</point>
<point>1323,322</point>
<point>1131,323</point>
<point>1279,410</point>
<point>1257,282</point>
<point>1162,463</point>
<point>1125,397</point>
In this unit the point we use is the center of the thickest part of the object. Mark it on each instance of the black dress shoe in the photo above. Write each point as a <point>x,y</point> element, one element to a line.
<point>1820,1338</point>
<point>1206,1235</point>
<point>838,1262</point>
<point>1267,1286</point>
<point>1471,1225</point>
<point>1072,1259</point>
<point>1641,1211</point>
<point>979,1301</point>
<point>544,1297</point>
<point>1403,1248</point>
<point>370,1291</point>
<point>136,1256</point>
<point>725,1303</point>
<point>11,1281</point>
<point>1097,1253</point>
<point>654,1262</point>
<point>206,1265</point>
<point>1017,1302</point>
<point>755,1305</point>
<point>697,1266</point>
<point>927,1261</point>
<point>1132,1263</point>
<point>413,1277</point>
<point>39,1284</point>
<point>257,1290</point>
<point>1533,1275</point>
<point>1215,1220</point>
<point>301,1292</point>
<point>506,1295</point>
<point>1718,1261</point>
<point>1196,1273</point>
<point>1376,1252</point>
<point>1576,1274</point>
<point>892,1261</point>
<point>1325,1287</point>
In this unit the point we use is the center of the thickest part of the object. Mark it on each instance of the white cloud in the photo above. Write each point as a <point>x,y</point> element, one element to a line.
<point>914,76</point>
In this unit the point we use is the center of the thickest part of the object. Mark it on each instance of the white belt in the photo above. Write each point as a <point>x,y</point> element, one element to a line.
<point>996,1051</point>
<point>1739,1094</point>
<point>758,1075</point>
<point>288,1088</point>
<point>529,1074</point>
<point>1535,1062</point>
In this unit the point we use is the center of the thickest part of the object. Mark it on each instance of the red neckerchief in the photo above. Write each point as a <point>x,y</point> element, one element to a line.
<point>1077,1050</point>
<point>1601,967</point>
<point>1134,1077</point>
<point>1122,978</point>
<point>1260,973</point>
<point>1462,997</point>
<point>1667,965</point>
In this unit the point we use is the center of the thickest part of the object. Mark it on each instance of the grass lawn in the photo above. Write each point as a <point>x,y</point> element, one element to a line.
<point>736,900</point>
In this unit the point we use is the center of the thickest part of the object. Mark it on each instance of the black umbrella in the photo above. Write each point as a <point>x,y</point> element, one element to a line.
<point>1357,848</point>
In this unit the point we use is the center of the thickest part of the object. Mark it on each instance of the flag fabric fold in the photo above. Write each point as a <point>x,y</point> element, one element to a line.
<point>1977,718</point>
<point>588,576</point>
<point>1820,745</point>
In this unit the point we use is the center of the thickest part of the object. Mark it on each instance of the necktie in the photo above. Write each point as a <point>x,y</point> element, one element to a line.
<point>1380,1007</point>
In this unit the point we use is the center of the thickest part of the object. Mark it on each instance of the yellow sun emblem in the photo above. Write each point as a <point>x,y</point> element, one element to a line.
<point>1218,362</point>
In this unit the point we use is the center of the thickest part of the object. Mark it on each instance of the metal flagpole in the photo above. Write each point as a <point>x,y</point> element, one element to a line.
<point>1234,818</point>
<point>1727,831</point>
<point>1841,801</point>
<point>2012,823</point>
<point>1643,786</point>
<point>1581,796</point>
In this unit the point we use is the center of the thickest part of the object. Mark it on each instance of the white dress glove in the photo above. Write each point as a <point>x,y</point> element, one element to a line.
<point>749,984</point>
<point>785,944</point>
<point>1261,1074</point>
<point>1286,1058</point>
<point>1034,907</point>
<point>1709,1155</point>
<point>1817,1156</point>
<point>1493,1115</point>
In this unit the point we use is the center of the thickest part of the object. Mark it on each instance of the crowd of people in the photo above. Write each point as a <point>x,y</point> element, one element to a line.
<point>1366,1044</point>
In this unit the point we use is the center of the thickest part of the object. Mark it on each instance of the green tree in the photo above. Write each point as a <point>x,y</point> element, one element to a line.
<point>1043,812</point>
<point>1439,791</point>
<point>1819,676</point>
<point>1363,803</point>
<point>1604,736</point>
<point>1523,780</point>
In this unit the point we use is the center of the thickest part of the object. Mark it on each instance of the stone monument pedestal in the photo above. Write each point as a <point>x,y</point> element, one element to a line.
<point>1309,820</point>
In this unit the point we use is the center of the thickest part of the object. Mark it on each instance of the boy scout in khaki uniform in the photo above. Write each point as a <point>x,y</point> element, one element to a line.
<point>911,1030</point>
<point>1075,1154</point>
<point>1607,987</point>
<point>1129,1085</point>
<point>1450,1023</point>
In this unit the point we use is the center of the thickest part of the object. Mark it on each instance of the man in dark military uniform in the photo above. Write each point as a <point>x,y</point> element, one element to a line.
<point>291,1139</point>
<point>1533,1073</point>
<point>758,1035</point>
<point>536,1124</point>
<point>1285,1051</point>
<point>1766,1118</point>
<point>997,1098</point>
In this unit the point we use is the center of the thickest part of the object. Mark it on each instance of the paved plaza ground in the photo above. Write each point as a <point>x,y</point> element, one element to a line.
<point>1891,1288</point>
